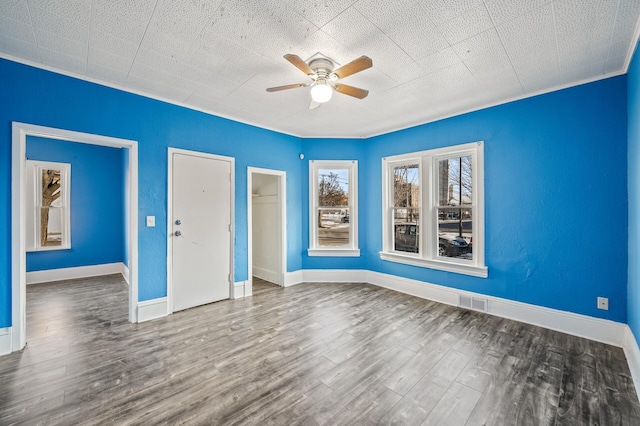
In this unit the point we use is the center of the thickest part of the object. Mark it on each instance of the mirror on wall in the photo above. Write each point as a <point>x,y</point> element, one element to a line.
<point>48,216</point>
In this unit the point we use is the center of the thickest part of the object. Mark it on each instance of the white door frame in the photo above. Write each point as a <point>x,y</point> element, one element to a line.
<point>20,131</point>
<point>282,217</point>
<point>231,160</point>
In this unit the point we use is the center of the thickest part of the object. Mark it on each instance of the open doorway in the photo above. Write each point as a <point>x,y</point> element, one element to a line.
<point>266,216</point>
<point>20,133</point>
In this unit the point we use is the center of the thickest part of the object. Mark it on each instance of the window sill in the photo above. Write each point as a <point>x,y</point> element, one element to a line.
<point>51,248</point>
<point>458,268</point>
<point>335,252</point>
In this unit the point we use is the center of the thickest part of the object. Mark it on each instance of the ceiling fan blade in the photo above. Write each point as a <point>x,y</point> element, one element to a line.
<point>360,64</point>
<point>300,64</point>
<point>288,86</point>
<point>351,91</point>
<point>314,104</point>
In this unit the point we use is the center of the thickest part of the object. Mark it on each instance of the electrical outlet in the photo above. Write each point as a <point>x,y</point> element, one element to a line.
<point>603,303</point>
<point>151,221</point>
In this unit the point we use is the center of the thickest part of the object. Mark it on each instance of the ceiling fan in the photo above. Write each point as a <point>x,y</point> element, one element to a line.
<point>325,78</point>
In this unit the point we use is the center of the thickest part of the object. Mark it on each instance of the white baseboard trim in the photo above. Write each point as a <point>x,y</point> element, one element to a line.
<point>125,272</point>
<point>265,274</point>
<point>334,275</point>
<point>61,274</point>
<point>5,341</point>
<point>325,276</point>
<point>293,278</point>
<point>600,330</point>
<point>239,290</point>
<point>152,309</point>
<point>632,352</point>
<point>605,331</point>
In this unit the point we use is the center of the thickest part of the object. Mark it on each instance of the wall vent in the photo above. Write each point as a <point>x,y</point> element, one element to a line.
<point>474,303</point>
<point>465,301</point>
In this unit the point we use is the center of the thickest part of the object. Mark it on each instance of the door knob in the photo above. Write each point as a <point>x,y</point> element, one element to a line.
<point>178,222</point>
<point>177,233</point>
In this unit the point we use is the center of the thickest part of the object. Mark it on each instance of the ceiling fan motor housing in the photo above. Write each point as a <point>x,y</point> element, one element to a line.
<point>322,67</point>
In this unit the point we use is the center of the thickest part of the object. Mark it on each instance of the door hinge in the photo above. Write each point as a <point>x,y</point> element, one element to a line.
<point>229,277</point>
<point>229,227</point>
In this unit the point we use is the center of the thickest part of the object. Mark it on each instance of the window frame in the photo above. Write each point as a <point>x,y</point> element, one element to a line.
<point>34,170</point>
<point>427,255</point>
<point>352,249</point>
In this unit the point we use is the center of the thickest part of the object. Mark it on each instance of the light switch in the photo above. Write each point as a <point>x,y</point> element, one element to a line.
<point>151,221</point>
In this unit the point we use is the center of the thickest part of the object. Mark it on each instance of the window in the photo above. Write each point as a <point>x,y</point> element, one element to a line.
<point>433,212</point>
<point>333,208</point>
<point>48,219</point>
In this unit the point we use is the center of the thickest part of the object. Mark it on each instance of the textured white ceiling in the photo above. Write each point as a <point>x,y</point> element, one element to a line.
<point>431,58</point>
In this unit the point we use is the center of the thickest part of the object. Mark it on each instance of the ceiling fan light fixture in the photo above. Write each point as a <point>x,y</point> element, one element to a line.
<point>321,92</point>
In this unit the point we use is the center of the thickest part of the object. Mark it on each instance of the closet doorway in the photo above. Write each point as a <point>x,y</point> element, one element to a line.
<point>266,212</point>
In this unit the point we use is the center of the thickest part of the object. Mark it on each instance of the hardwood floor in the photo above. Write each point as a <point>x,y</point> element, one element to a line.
<point>312,354</point>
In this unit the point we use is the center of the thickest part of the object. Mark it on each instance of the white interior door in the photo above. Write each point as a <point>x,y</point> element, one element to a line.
<point>201,223</point>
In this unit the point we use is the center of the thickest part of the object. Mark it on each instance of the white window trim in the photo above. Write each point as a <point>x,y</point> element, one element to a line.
<point>428,256</point>
<point>349,251</point>
<point>35,168</point>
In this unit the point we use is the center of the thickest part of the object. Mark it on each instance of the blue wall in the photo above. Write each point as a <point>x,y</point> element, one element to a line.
<point>335,149</point>
<point>555,178</point>
<point>555,197</point>
<point>36,96</point>
<point>97,204</point>
<point>633,290</point>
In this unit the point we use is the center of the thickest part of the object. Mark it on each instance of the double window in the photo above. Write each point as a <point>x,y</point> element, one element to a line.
<point>333,209</point>
<point>433,212</point>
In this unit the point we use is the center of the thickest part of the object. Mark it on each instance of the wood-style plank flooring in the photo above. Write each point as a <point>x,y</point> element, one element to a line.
<point>312,354</point>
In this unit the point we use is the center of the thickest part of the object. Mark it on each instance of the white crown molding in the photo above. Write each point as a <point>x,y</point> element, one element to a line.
<point>492,104</point>
<point>152,309</point>
<point>62,274</point>
<point>273,129</point>
<point>139,93</point>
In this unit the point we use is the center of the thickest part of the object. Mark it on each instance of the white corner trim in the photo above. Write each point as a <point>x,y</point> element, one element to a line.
<point>632,353</point>
<point>600,330</point>
<point>125,272</point>
<point>152,309</point>
<point>239,290</point>
<point>293,278</point>
<point>61,274</point>
<point>5,340</point>
<point>334,276</point>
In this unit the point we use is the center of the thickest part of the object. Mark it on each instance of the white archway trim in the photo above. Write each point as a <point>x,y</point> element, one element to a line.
<point>20,131</point>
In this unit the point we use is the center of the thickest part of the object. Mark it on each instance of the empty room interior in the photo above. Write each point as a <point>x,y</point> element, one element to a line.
<point>322,212</point>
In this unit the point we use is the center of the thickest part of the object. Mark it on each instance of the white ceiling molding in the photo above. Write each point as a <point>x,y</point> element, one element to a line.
<point>431,59</point>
